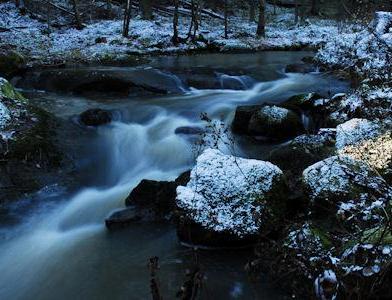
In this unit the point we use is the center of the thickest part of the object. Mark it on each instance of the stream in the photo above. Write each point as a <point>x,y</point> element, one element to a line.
<point>60,248</point>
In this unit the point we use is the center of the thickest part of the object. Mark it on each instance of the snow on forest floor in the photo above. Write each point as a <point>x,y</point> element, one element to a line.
<point>32,38</point>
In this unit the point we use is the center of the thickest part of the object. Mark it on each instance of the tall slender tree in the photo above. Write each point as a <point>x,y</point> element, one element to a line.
<point>146,8</point>
<point>175,38</point>
<point>127,18</point>
<point>252,10</point>
<point>226,19</point>
<point>314,7</point>
<point>78,21</point>
<point>261,22</point>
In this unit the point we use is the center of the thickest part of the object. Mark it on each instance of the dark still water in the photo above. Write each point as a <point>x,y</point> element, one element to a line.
<point>61,249</point>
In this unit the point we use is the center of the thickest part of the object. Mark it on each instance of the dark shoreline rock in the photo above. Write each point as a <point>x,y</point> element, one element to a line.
<point>30,159</point>
<point>269,121</point>
<point>149,201</point>
<point>95,117</point>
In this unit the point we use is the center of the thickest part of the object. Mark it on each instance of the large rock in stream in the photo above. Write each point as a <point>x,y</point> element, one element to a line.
<point>228,200</point>
<point>105,80</point>
<point>269,121</point>
<point>149,201</point>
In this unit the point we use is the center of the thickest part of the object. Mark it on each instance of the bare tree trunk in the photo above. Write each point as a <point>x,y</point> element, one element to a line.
<point>314,7</point>
<point>175,38</point>
<point>146,7</point>
<point>261,23</point>
<point>78,21</point>
<point>127,18</point>
<point>252,11</point>
<point>194,27</point>
<point>296,12</point>
<point>226,21</point>
<point>21,6</point>
<point>274,7</point>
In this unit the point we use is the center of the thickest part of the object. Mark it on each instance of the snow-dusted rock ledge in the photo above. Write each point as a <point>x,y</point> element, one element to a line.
<point>341,178</point>
<point>228,194</point>
<point>355,131</point>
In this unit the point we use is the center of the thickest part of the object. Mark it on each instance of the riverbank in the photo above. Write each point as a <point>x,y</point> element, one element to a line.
<point>101,41</point>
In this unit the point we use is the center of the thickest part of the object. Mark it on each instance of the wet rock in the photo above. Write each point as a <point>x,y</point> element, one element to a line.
<point>123,218</point>
<point>275,122</point>
<point>158,197</point>
<point>95,117</point>
<point>225,202</point>
<point>12,63</point>
<point>242,117</point>
<point>149,201</point>
<point>29,154</point>
<point>95,81</point>
<point>189,130</point>
<point>302,101</point>
<point>300,68</point>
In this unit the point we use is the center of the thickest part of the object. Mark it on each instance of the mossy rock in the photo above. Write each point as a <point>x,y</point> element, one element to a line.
<point>36,143</point>
<point>8,91</point>
<point>302,101</point>
<point>275,123</point>
<point>11,62</point>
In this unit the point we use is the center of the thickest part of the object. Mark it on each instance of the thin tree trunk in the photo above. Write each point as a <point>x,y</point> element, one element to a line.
<point>21,6</point>
<point>146,7</point>
<point>127,18</point>
<point>296,12</point>
<point>226,21</point>
<point>261,23</point>
<point>78,21</point>
<point>175,38</point>
<point>274,7</point>
<point>252,11</point>
<point>314,7</point>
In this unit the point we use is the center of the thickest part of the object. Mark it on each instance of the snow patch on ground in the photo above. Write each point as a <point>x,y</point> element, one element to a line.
<point>226,193</point>
<point>30,36</point>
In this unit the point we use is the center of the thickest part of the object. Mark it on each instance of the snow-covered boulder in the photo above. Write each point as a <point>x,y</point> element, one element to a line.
<point>269,121</point>
<point>305,150</point>
<point>339,179</point>
<point>376,152</point>
<point>275,122</point>
<point>355,131</point>
<point>227,198</point>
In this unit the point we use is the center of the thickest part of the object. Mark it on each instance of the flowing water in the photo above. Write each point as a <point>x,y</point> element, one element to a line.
<point>61,249</point>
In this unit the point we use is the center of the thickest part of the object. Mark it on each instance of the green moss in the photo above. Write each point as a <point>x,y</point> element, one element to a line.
<point>323,236</point>
<point>36,144</point>
<point>377,235</point>
<point>8,91</point>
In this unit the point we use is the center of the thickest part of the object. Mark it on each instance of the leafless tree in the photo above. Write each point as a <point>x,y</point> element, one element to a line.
<point>226,19</point>
<point>78,20</point>
<point>175,38</point>
<point>127,18</point>
<point>146,8</point>
<point>261,22</point>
